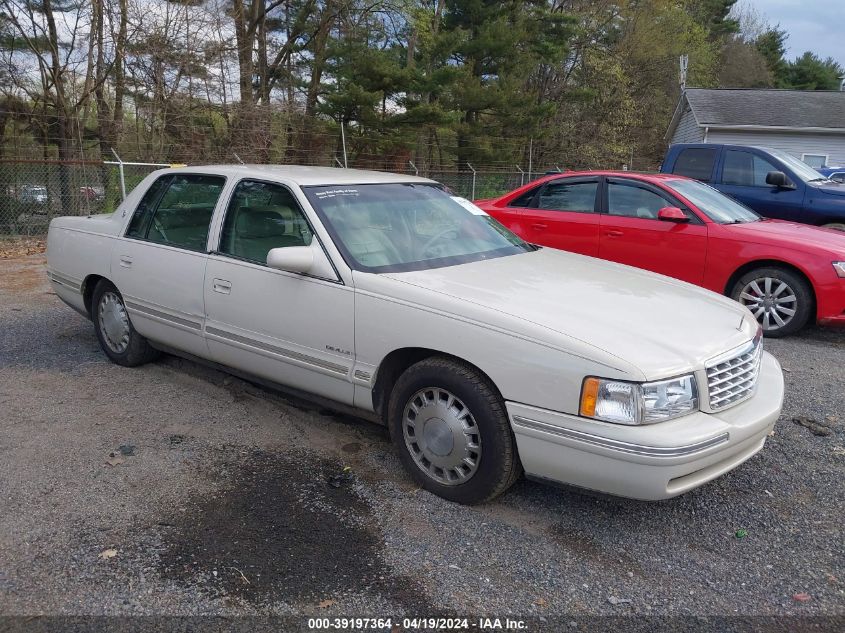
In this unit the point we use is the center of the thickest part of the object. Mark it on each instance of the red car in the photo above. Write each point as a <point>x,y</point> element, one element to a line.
<point>785,273</point>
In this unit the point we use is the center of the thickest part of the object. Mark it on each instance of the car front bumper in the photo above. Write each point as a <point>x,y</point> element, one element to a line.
<point>650,462</point>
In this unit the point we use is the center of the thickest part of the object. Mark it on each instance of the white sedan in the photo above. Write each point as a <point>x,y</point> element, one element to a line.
<point>484,355</point>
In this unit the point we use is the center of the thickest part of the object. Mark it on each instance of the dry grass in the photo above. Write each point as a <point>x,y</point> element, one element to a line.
<point>13,247</point>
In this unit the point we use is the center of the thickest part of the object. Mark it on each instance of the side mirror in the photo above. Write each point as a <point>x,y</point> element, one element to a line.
<point>672,214</point>
<point>778,179</point>
<point>293,259</point>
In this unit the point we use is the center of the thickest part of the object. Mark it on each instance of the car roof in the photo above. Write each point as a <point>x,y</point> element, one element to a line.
<point>636,175</point>
<point>303,175</point>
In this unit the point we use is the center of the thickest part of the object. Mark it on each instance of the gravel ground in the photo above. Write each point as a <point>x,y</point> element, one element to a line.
<point>229,499</point>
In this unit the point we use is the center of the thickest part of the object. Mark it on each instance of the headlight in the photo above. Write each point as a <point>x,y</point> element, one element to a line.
<point>839,267</point>
<point>638,403</point>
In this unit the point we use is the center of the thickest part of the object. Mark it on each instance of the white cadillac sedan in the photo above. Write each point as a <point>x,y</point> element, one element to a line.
<point>483,354</point>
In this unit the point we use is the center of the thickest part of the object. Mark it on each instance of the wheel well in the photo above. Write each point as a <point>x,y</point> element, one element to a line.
<point>393,366</point>
<point>769,263</point>
<point>88,286</point>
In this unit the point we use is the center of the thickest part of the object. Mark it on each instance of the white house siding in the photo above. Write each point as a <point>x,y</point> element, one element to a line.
<point>795,143</point>
<point>688,130</point>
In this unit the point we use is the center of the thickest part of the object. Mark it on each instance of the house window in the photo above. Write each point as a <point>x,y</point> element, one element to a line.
<point>815,160</point>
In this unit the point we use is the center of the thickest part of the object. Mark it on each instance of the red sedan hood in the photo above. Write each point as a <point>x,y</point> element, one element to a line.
<point>800,236</point>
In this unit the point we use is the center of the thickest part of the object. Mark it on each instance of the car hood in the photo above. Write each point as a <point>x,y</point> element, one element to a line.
<point>661,326</point>
<point>833,189</point>
<point>803,237</point>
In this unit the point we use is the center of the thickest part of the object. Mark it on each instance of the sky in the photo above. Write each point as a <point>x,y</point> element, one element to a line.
<point>813,25</point>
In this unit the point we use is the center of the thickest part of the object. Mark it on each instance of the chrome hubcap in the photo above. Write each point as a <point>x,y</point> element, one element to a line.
<point>114,322</point>
<point>442,436</point>
<point>772,302</point>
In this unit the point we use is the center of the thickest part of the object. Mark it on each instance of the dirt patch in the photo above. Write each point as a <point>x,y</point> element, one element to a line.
<point>23,276</point>
<point>279,531</point>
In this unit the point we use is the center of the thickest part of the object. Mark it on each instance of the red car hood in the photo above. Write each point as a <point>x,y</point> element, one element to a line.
<point>798,236</point>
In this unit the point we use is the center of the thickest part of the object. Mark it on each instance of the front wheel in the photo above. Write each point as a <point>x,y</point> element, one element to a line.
<point>118,338</point>
<point>452,431</point>
<point>780,300</point>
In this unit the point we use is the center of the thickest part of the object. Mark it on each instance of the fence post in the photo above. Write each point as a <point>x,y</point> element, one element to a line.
<point>473,181</point>
<point>122,175</point>
<point>414,167</point>
<point>530,157</point>
<point>521,175</point>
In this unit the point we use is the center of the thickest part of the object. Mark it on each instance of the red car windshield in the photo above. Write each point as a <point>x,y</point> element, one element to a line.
<point>715,205</point>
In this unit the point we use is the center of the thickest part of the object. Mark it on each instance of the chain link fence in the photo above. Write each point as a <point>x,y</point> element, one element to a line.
<point>33,192</point>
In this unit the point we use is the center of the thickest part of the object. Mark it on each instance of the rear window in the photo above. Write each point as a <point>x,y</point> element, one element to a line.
<point>696,162</point>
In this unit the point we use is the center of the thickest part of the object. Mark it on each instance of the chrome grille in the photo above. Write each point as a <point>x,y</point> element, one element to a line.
<point>731,380</point>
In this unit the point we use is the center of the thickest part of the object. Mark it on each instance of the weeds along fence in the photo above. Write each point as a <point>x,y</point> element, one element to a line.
<point>32,192</point>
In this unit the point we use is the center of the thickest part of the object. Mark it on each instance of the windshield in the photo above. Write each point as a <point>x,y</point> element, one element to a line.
<point>401,227</point>
<point>801,169</point>
<point>715,205</point>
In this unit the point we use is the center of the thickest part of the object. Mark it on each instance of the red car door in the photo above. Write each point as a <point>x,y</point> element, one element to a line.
<point>632,234</point>
<point>565,215</point>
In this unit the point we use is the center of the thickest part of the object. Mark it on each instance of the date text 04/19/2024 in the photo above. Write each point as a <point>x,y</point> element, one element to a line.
<point>421,624</point>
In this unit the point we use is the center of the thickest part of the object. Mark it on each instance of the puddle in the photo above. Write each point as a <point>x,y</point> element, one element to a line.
<point>277,530</point>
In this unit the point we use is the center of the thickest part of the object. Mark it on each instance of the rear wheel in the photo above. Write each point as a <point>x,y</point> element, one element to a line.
<point>780,300</point>
<point>452,431</point>
<point>119,340</point>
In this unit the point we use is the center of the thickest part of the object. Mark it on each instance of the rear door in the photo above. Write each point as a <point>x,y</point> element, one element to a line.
<point>743,177</point>
<point>697,162</point>
<point>159,264</point>
<point>565,216</point>
<point>632,234</point>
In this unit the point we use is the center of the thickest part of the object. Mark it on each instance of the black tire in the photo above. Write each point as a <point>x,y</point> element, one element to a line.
<point>498,465</point>
<point>138,350</point>
<point>796,286</point>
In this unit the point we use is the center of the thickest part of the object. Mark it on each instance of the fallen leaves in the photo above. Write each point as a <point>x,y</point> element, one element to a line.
<point>815,427</point>
<point>802,597</point>
<point>324,604</point>
<point>114,460</point>
<point>21,247</point>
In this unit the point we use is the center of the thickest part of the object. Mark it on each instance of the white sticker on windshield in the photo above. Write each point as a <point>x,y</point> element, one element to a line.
<point>469,206</point>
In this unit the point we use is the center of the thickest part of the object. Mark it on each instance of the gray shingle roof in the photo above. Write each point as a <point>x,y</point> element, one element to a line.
<point>769,108</point>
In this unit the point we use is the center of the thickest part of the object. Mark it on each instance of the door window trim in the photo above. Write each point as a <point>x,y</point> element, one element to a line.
<point>672,199</point>
<point>573,180</point>
<point>158,199</point>
<point>753,154</point>
<point>215,244</point>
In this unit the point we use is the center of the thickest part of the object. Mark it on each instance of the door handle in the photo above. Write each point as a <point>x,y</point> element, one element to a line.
<point>222,286</point>
<point>540,226</point>
<point>615,233</point>
<point>126,261</point>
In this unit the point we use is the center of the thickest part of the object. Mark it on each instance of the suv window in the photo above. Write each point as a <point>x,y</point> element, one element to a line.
<point>745,169</point>
<point>696,162</point>
<point>569,196</point>
<point>177,210</point>
<point>633,201</point>
<point>262,216</point>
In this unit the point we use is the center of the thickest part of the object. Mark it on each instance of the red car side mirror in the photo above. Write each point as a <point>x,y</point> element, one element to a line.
<point>672,214</point>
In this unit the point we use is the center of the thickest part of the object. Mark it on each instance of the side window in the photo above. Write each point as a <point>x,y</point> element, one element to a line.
<point>140,222</point>
<point>634,202</point>
<point>745,169</point>
<point>182,216</point>
<point>565,196</point>
<point>525,199</point>
<point>696,162</point>
<point>262,216</point>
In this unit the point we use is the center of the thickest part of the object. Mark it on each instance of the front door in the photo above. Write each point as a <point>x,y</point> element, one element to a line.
<point>631,233</point>
<point>293,329</point>
<point>744,179</point>
<point>159,264</point>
